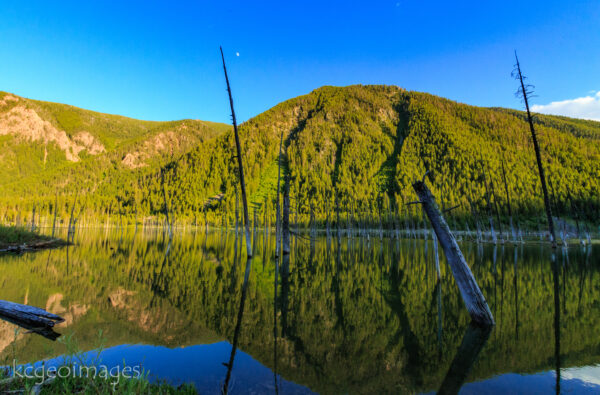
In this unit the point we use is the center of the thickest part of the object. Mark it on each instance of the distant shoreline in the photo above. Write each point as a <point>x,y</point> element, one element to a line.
<point>18,239</point>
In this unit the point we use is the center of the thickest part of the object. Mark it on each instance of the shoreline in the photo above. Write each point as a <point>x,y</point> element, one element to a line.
<point>15,239</point>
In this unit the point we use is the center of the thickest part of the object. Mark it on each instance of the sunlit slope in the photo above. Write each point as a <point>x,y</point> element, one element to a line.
<point>51,147</point>
<point>367,144</point>
<point>359,145</point>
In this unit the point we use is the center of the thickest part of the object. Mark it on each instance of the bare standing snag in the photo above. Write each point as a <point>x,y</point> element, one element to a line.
<point>523,91</point>
<point>239,160</point>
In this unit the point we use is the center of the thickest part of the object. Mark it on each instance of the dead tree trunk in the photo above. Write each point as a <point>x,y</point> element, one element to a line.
<point>205,219</point>
<point>496,209</point>
<point>55,210</point>
<point>285,221</point>
<point>277,210</point>
<point>237,203</point>
<point>471,294</point>
<point>436,256</point>
<point>348,220</point>
<point>489,208</point>
<point>523,90</point>
<point>508,205</point>
<point>69,230</point>
<point>164,191</point>
<point>33,220</point>
<point>337,217</point>
<point>296,223</point>
<point>239,160</point>
<point>312,222</point>
<point>327,220</point>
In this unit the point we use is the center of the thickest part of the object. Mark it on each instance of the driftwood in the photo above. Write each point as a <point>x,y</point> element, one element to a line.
<point>29,317</point>
<point>471,294</point>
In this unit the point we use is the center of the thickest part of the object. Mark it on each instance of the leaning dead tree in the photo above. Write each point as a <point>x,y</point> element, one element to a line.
<point>523,91</point>
<point>471,294</point>
<point>239,160</point>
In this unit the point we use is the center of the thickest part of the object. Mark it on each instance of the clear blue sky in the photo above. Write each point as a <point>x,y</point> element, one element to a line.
<point>160,60</point>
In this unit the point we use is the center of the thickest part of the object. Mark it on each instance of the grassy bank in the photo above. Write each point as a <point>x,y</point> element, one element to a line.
<point>78,374</point>
<point>14,238</point>
<point>88,385</point>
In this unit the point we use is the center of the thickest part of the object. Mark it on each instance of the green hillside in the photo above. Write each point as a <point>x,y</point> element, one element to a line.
<point>360,145</point>
<point>52,148</point>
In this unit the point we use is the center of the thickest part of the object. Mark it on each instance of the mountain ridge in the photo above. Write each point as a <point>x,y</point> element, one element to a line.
<point>361,146</point>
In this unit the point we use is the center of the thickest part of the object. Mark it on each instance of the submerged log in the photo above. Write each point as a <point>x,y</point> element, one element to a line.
<point>29,317</point>
<point>471,294</point>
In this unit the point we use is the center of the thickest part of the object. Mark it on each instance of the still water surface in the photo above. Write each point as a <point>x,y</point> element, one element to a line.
<point>349,317</point>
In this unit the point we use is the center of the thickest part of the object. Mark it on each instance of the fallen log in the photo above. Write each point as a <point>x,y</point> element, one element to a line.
<point>471,294</point>
<point>39,245</point>
<point>30,317</point>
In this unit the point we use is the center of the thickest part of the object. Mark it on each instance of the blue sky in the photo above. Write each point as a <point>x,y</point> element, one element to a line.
<point>160,60</point>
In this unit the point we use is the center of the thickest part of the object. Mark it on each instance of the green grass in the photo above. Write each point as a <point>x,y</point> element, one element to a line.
<point>76,376</point>
<point>16,235</point>
<point>91,385</point>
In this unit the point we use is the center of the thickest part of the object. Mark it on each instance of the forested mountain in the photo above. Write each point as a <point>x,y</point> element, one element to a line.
<point>359,146</point>
<point>50,149</point>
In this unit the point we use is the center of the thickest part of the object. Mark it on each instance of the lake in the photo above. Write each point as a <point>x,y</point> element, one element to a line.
<point>353,316</point>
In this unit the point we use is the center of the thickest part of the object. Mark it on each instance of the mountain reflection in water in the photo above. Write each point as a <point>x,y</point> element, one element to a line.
<point>353,316</point>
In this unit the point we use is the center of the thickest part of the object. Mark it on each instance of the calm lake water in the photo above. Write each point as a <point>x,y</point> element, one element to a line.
<point>353,317</point>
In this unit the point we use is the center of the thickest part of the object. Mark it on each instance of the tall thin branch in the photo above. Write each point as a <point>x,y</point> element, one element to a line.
<point>239,159</point>
<point>524,90</point>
